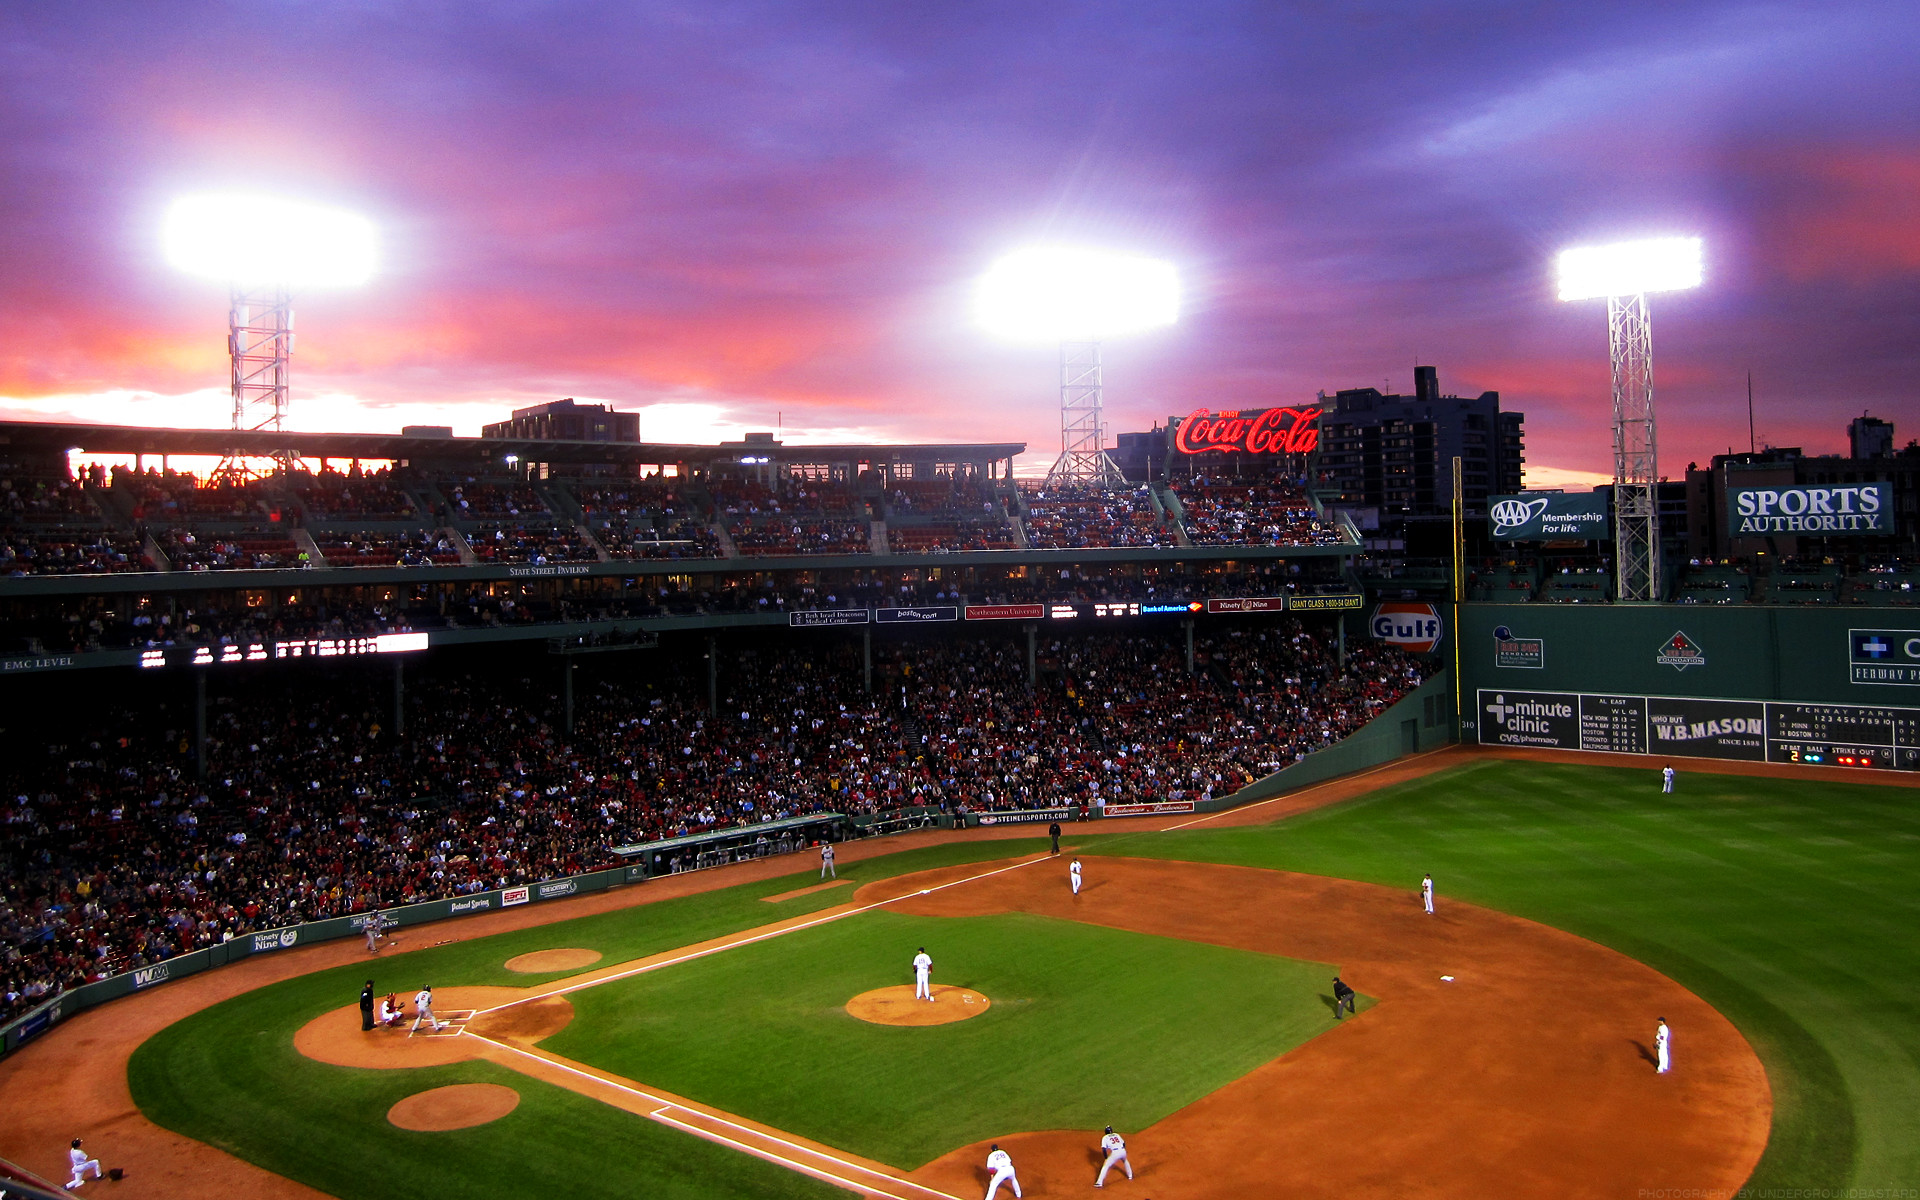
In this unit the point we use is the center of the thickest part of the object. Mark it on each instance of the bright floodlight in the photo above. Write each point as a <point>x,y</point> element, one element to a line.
<point>1057,293</point>
<point>260,240</point>
<point>1630,268</point>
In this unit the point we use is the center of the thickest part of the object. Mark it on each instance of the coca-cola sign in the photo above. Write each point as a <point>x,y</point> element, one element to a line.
<point>1250,431</point>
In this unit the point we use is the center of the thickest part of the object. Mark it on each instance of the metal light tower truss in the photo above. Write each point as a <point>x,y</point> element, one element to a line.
<point>1083,457</point>
<point>260,342</point>
<point>1636,521</point>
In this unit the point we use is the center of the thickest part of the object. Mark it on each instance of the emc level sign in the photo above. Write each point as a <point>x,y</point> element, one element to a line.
<point>1890,656</point>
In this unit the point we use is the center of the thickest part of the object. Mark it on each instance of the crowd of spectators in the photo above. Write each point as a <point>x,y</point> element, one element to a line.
<point>471,501</point>
<point>356,494</point>
<point>1076,516</point>
<point>951,537</point>
<point>189,551</point>
<point>117,855</point>
<point>165,497</point>
<point>540,545</point>
<point>71,552</point>
<point>1276,514</point>
<point>943,499</point>
<point>386,548</point>
<point>786,536</point>
<point>739,499</point>
<point>34,498</point>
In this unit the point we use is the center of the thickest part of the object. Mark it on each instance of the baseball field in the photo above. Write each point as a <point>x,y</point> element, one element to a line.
<point>699,1043</point>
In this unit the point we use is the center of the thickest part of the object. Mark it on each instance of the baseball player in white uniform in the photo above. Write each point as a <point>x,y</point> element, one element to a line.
<point>423,1005</point>
<point>1666,778</point>
<point>1002,1168</point>
<point>826,861</point>
<point>1073,873</point>
<point>922,975</point>
<point>1426,893</point>
<point>374,925</point>
<point>1663,1047</point>
<point>1116,1151</point>
<point>82,1164</point>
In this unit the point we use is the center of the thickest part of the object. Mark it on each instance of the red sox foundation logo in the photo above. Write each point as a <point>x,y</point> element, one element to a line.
<point>1681,652</point>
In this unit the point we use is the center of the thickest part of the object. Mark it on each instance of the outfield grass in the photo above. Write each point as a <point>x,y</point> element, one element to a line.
<point>1089,1026</point>
<point>1792,906</point>
<point>230,1076</point>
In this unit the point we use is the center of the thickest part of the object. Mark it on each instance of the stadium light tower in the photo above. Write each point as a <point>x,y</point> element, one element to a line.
<point>1626,273</point>
<point>1078,297</point>
<point>262,247</point>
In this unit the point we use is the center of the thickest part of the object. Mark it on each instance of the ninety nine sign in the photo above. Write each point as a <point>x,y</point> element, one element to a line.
<point>1006,612</point>
<point>1250,431</point>
<point>1240,604</point>
<point>1855,508</point>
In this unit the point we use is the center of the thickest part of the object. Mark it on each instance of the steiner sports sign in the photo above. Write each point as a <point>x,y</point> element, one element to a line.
<point>1250,431</point>
<point>1861,509</point>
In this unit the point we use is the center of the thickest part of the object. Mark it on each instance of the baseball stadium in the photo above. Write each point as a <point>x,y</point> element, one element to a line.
<point>654,714</point>
<point>523,818</point>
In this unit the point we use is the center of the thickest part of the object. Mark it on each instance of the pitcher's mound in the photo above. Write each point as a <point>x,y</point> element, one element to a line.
<point>896,1006</point>
<point>542,961</point>
<point>458,1106</point>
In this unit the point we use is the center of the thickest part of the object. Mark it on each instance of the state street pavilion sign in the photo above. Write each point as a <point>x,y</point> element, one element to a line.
<point>1250,431</point>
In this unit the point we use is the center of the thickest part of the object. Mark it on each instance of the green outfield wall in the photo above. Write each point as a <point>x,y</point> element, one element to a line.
<point>1826,685</point>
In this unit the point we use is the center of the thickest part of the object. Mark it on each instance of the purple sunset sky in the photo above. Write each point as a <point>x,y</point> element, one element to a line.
<point>728,214</point>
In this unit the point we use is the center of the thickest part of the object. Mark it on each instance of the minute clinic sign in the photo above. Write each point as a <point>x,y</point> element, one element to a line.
<point>1250,431</point>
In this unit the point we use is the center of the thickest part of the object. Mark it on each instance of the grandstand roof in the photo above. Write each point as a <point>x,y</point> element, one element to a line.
<point>56,437</point>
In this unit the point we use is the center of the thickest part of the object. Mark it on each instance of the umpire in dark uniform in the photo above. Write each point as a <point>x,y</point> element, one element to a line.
<point>1342,997</point>
<point>366,1007</point>
<point>1053,831</point>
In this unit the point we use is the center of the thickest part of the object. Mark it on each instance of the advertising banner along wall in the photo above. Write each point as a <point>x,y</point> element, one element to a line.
<point>1548,516</point>
<point>1851,509</point>
<point>1847,735</point>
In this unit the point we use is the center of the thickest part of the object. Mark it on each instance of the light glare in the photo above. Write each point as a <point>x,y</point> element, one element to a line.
<point>1630,268</point>
<point>1055,293</point>
<point>260,240</point>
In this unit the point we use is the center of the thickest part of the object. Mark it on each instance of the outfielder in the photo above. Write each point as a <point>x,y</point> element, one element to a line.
<point>1663,1047</point>
<point>922,975</point>
<point>423,1004</point>
<point>1116,1149</point>
<point>1073,873</point>
<point>1666,778</point>
<point>1002,1168</point>
<point>82,1164</point>
<point>826,861</point>
<point>1426,893</point>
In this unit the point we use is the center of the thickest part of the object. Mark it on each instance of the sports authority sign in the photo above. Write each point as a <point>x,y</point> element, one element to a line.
<point>1887,656</point>
<point>1856,509</point>
<point>1553,515</point>
<point>1409,624</point>
<point>1249,431</point>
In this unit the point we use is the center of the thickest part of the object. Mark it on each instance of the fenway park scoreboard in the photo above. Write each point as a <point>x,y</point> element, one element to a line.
<point>1846,735</point>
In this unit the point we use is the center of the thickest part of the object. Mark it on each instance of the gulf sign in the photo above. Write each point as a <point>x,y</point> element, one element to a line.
<point>1250,431</point>
<point>1408,624</point>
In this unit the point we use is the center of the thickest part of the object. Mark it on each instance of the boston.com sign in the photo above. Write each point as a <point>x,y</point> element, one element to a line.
<point>1852,508</point>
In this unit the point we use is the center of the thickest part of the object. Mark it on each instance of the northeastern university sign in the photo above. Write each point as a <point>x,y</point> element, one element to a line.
<point>1860,509</point>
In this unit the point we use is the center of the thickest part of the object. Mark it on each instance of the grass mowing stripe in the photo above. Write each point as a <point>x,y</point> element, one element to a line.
<point>1787,904</point>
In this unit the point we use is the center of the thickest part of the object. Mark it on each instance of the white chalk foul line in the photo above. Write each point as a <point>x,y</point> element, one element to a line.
<point>666,1106</point>
<point>759,937</point>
